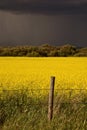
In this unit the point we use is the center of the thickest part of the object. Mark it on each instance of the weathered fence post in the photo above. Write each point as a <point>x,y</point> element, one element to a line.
<point>51,98</point>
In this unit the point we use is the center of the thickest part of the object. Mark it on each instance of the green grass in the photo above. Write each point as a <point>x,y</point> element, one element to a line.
<point>19,111</point>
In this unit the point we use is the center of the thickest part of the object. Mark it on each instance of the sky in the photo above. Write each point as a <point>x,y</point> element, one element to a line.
<point>36,22</point>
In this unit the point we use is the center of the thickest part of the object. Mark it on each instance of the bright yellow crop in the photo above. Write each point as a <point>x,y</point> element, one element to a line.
<point>34,73</point>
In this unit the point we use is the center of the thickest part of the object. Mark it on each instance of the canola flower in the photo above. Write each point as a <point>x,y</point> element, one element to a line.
<point>34,73</point>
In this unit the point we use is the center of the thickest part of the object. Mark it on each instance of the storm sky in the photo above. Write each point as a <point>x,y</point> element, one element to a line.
<point>34,22</point>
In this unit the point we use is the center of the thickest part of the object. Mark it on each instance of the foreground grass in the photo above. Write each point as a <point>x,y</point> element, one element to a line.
<point>19,111</point>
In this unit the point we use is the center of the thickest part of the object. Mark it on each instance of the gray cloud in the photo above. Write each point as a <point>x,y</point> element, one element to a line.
<point>52,27</point>
<point>45,6</point>
<point>27,29</point>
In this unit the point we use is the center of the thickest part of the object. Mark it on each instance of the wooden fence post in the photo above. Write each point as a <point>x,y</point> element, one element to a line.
<point>51,98</point>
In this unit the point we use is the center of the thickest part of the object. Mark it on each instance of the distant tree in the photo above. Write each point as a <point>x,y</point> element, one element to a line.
<point>67,50</point>
<point>53,53</point>
<point>44,50</point>
<point>80,54</point>
<point>47,47</point>
<point>5,52</point>
<point>33,54</point>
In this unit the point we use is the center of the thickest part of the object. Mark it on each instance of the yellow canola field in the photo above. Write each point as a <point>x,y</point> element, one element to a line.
<point>34,73</point>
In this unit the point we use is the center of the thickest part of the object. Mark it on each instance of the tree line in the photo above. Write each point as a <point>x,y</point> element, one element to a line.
<point>44,50</point>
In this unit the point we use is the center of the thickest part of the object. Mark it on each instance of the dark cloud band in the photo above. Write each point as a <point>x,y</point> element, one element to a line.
<point>44,7</point>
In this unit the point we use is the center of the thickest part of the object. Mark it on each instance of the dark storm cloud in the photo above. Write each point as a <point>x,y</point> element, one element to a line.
<point>45,6</point>
<point>39,29</point>
<point>54,27</point>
